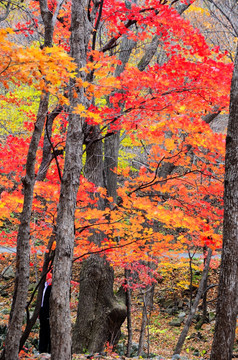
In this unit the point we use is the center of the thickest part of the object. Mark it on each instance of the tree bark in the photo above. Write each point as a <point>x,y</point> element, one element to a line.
<point>60,310</point>
<point>184,333</point>
<point>91,335</point>
<point>12,342</point>
<point>112,143</point>
<point>128,305</point>
<point>147,307</point>
<point>60,320</point>
<point>227,304</point>
<point>101,312</point>
<point>23,244</point>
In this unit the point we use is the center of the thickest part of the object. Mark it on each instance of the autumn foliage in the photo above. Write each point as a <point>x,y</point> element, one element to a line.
<point>161,120</point>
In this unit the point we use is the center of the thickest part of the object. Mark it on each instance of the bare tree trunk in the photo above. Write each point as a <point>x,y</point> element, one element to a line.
<point>194,307</point>
<point>227,304</point>
<point>23,245</point>
<point>60,320</point>
<point>12,344</point>
<point>147,306</point>
<point>191,280</point>
<point>101,312</point>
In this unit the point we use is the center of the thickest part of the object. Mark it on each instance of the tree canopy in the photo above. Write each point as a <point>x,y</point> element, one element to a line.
<point>120,158</point>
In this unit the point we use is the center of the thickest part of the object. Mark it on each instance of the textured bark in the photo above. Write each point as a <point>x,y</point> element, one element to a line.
<point>112,143</point>
<point>94,172</point>
<point>227,304</point>
<point>101,312</point>
<point>111,147</point>
<point>60,315</point>
<point>181,6</point>
<point>184,332</point>
<point>23,245</point>
<point>94,156</point>
<point>149,53</point>
<point>147,307</point>
<point>129,320</point>
<point>208,118</point>
<point>60,320</point>
<point>12,343</point>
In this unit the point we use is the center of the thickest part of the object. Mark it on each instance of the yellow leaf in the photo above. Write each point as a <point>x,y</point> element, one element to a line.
<point>80,109</point>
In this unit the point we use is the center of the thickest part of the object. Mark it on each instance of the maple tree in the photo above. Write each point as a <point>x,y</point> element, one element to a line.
<point>162,108</point>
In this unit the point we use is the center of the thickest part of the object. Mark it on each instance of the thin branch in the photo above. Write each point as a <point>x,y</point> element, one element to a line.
<point>97,224</point>
<point>56,13</point>
<point>228,14</point>
<point>113,41</point>
<point>6,67</point>
<point>53,149</point>
<point>105,249</point>
<point>97,25</point>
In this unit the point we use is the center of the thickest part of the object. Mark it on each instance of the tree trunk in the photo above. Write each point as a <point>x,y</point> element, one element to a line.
<point>147,307</point>
<point>227,304</point>
<point>105,325</point>
<point>101,312</point>
<point>204,300</point>
<point>60,320</point>
<point>12,342</point>
<point>83,337</point>
<point>184,332</point>
<point>128,305</point>
<point>23,245</point>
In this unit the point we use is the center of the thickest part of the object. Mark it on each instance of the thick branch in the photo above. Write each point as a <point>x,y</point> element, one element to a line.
<point>152,49</point>
<point>113,41</point>
<point>48,156</point>
<point>3,17</point>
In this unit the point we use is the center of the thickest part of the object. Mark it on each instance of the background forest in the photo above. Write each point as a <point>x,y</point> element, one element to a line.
<point>113,131</point>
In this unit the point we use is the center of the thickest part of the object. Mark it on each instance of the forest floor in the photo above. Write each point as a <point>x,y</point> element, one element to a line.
<point>165,320</point>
